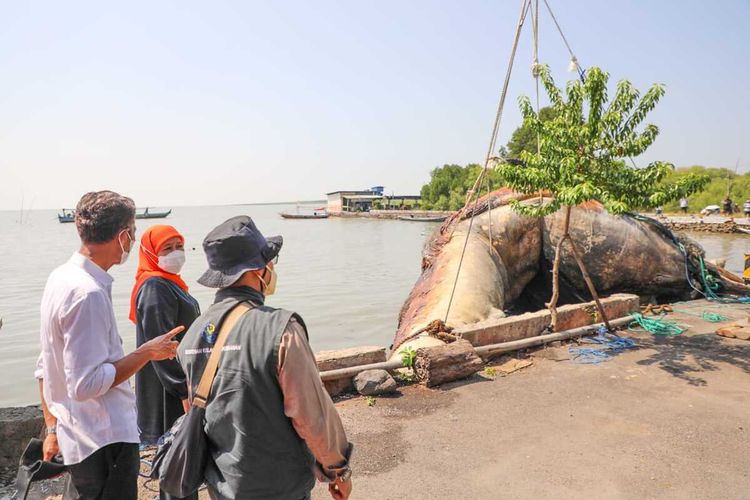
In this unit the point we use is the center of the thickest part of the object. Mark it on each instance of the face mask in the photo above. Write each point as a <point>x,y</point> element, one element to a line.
<point>173,261</point>
<point>271,285</point>
<point>125,254</point>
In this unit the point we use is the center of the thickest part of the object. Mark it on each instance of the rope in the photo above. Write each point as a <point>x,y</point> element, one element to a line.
<point>573,58</point>
<point>608,342</point>
<point>709,316</point>
<point>657,326</point>
<point>710,285</point>
<point>525,5</point>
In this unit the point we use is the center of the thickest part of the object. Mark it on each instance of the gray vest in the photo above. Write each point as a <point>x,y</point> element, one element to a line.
<point>256,451</point>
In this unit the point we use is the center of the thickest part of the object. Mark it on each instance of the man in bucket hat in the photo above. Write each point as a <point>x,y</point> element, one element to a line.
<point>271,425</point>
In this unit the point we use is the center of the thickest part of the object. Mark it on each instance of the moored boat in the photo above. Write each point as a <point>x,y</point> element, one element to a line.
<point>67,215</point>
<point>314,215</point>
<point>426,218</point>
<point>152,215</point>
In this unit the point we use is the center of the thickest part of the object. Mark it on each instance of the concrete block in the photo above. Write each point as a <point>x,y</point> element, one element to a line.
<point>344,358</point>
<point>17,426</point>
<point>532,324</point>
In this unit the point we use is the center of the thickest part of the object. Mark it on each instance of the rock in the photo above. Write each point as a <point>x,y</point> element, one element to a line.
<point>344,358</point>
<point>734,331</point>
<point>17,426</point>
<point>374,382</point>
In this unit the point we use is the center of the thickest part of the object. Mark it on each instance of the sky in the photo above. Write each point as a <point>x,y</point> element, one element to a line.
<point>202,103</point>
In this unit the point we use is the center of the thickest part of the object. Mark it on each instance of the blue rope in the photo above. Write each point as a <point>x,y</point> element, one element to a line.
<point>608,342</point>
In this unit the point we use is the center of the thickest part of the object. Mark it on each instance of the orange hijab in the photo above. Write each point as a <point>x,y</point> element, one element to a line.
<point>151,242</point>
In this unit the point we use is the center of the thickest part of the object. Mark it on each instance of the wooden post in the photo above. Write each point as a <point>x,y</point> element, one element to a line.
<point>446,363</point>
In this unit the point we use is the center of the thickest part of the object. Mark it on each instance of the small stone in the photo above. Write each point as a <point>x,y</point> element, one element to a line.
<point>374,382</point>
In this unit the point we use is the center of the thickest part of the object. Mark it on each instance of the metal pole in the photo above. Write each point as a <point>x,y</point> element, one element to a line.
<point>485,351</point>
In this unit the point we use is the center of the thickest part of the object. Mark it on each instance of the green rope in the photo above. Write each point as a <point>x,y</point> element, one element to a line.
<point>657,326</point>
<point>709,316</point>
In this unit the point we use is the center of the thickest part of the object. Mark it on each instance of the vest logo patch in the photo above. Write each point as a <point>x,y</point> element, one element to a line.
<point>209,333</point>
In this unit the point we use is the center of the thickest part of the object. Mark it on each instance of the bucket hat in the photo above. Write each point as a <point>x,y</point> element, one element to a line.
<point>235,247</point>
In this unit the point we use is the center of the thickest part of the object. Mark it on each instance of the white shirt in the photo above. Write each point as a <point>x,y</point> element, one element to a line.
<point>80,342</point>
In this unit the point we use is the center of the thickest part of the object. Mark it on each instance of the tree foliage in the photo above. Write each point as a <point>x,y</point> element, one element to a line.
<point>584,147</point>
<point>524,137</point>
<point>448,186</point>
<point>719,180</point>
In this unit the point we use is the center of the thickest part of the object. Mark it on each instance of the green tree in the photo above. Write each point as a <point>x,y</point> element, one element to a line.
<point>715,190</point>
<point>582,158</point>
<point>448,186</point>
<point>524,138</point>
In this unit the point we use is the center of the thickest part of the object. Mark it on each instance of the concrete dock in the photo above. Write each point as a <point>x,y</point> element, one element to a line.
<point>668,419</point>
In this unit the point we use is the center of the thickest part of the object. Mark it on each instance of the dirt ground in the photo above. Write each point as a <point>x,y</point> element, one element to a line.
<point>670,419</point>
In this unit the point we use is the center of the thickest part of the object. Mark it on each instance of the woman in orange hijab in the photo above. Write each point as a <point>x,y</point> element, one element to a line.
<point>160,298</point>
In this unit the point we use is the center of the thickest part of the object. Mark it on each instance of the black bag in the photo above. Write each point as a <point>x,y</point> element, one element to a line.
<point>31,468</point>
<point>182,452</point>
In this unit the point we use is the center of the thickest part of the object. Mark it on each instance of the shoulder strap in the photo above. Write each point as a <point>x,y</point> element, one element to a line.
<point>209,372</point>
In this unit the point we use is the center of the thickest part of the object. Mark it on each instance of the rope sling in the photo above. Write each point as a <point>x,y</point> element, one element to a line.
<point>528,7</point>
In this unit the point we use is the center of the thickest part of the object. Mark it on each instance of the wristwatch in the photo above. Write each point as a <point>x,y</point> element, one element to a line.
<point>52,430</point>
<point>346,475</point>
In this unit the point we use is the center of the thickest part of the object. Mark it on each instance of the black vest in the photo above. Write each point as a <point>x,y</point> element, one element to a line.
<point>256,451</point>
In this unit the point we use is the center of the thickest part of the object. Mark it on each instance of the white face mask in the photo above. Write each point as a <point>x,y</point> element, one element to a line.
<point>173,261</point>
<point>270,287</point>
<point>125,253</point>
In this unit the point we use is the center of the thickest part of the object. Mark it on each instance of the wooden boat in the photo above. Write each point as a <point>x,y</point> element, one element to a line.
<point>67,215</point>
<point>152,215</point>
<point>314,215</point>
<point>426,218</point>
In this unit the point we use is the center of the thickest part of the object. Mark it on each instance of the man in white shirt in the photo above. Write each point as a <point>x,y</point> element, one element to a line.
<point>684,205</point>
<point>83,372</point>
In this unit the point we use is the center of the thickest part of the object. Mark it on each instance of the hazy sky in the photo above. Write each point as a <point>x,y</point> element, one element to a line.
<point>192,103</point>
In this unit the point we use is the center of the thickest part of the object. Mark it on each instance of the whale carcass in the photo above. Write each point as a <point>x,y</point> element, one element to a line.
<point>506,265</point>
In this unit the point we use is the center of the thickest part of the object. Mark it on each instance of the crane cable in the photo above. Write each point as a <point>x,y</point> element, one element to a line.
<point>525,6</point>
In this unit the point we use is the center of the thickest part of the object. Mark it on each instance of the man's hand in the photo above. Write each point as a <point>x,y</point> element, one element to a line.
<point>162,347</point>
<point>340,490</point>
<point>50,448</point>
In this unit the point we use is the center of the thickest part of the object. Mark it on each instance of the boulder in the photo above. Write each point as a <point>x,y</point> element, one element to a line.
<point>374,382</point>
<point>17,426</point>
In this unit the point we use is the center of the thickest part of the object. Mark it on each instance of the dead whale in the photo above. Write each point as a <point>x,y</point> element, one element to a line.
<point>506,264</point>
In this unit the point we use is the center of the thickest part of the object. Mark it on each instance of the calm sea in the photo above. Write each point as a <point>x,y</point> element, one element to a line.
<point>347,277</point>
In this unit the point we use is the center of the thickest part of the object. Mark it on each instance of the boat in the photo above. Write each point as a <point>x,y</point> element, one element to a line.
<point>314,215</point>
<point>152,215</point>
<point>426,218</point>
<point>67,215</point>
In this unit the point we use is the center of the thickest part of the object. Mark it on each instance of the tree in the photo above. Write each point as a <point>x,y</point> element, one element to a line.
<point>582,157</point>
<point>448,186</point>
<point>715,190</point>
<point>524,138</point>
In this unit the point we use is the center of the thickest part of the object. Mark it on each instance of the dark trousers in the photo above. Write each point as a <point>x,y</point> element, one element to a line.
<point>214,495</point>
<point>163,495</point>
<point>110,472</point>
